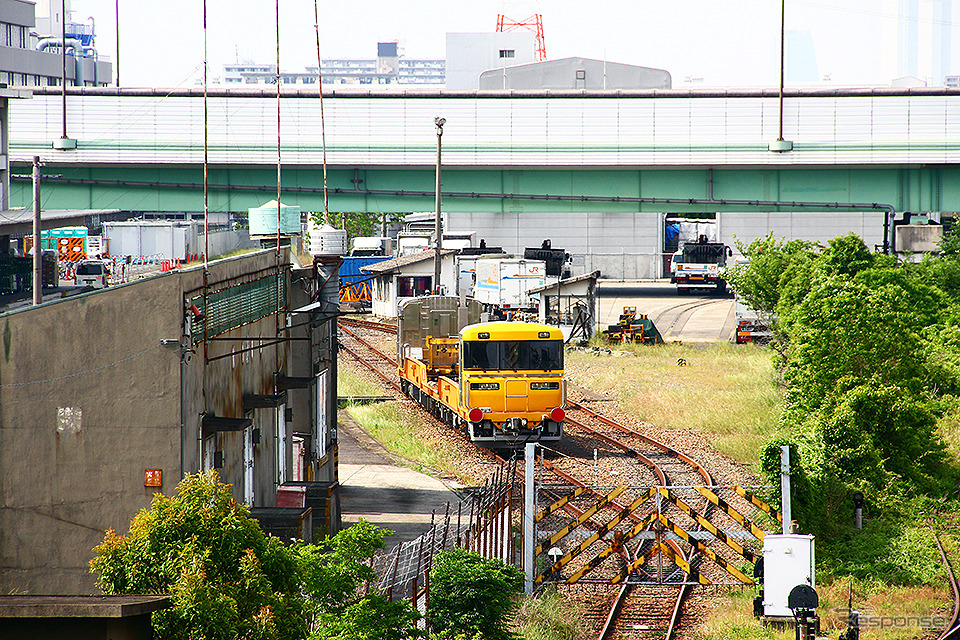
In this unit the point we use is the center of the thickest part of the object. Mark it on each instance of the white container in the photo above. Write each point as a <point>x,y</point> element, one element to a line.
<point>504,282</point>
<point>327,241</point>
<point>788,560</point>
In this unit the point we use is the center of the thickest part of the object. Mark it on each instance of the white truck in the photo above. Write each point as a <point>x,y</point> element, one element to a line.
<point>502,284</point>
<point>750,326</point>
<point>371,246</point>
<point>697,265</point>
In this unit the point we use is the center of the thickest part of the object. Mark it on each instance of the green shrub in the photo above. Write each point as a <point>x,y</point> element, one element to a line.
<point>472,595</point>
<point>226,577</point>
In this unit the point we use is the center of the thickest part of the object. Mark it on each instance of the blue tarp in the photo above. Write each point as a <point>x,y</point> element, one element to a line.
<point>350,269</point>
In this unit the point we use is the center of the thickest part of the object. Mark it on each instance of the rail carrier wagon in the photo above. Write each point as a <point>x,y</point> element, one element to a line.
<point>500,382</point>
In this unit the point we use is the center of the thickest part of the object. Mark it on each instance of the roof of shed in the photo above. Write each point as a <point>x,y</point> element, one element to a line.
<point>392,265</point>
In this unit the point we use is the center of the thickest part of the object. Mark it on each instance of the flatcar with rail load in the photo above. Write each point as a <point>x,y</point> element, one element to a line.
<point>500,382</point>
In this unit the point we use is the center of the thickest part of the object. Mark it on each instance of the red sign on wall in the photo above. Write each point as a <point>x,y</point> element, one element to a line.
<point>153,477</point>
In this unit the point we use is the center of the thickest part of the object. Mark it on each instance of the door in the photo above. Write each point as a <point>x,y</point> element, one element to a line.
<point>516,396</point>
<point>248,493</point>
<point>282,444</point>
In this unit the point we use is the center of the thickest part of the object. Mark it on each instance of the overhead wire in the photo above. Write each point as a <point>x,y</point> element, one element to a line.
<point>81,373</point>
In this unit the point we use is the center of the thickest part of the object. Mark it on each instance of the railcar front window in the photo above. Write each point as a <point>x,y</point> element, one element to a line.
<point>516,355</point>
<point>545,356</point>
<point>481,355</point>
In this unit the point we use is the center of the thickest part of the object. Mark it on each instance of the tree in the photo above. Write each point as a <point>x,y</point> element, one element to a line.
<point>360,223</point>
<point>950,243</point>
<point>331,575</point>
<point>880,433</point>
<point>369,618</point>
<point>758,282</point>
<point>226,577</point>
<point>844,329</point>
<point>472,595</point>
<point>847,255</point>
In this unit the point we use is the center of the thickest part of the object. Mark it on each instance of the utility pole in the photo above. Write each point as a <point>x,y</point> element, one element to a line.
<point>529,513</point>
<point>439,225</point>
<point>785,488</point>
<point>117,22</point>
<point>37,251</point>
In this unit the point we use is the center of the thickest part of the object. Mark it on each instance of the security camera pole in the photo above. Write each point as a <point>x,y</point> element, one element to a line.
<point>439,226</point>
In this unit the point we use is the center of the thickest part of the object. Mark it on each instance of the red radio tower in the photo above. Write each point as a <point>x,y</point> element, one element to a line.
<point>533,23</point>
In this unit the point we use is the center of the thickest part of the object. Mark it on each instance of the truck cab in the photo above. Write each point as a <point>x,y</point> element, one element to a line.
<point>699,266</point>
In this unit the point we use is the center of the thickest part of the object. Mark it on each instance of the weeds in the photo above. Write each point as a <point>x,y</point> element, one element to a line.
<point>727,393</point>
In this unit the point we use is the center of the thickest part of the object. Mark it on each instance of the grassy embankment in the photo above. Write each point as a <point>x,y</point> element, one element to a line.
<point>398,430</point>
<point>724,392</point>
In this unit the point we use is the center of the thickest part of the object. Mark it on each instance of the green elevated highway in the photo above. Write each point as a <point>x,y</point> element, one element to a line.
<point>606,152</point>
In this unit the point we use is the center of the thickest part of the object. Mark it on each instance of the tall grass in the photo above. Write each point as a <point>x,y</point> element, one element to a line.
<point>351,385</point>
<point>548,617</point>
<point>725,392</point>
<point>400,431</point>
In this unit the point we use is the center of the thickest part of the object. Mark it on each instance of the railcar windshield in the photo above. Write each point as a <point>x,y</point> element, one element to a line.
<point>516,355</point>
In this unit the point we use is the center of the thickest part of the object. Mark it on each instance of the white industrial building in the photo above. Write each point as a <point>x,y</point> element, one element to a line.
<point>156,240</point>
<point>470,54</point>
<point>575,73</point>
<point>406,277</point>
<point>31,36</point>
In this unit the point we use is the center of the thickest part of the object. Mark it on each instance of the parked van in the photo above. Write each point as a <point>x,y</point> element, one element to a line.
<point>92,273</point>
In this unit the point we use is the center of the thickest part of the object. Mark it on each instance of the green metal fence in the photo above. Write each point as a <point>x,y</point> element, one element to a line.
<point>238,305</point>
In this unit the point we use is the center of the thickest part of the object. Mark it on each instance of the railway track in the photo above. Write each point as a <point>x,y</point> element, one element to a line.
<point>383,365</point>
<point>368,324</point>
<point>641,611</point>
<point>628,458</point>
<point>952,628</point>
<point>674,314</point>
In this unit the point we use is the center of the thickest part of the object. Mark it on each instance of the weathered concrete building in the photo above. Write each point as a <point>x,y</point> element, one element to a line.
<point>109,397</point>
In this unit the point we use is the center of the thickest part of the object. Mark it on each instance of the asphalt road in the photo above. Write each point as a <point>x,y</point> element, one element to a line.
<point>697,317</point>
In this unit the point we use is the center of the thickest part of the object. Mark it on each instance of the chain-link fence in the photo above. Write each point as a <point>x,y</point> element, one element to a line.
<point>480,522</point>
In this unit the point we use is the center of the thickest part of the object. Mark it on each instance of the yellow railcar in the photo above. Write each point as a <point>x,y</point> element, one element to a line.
<point>501,382</point>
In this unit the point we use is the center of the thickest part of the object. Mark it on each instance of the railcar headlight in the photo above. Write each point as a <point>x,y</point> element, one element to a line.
<point>476,415</point>
<point>544,386</point>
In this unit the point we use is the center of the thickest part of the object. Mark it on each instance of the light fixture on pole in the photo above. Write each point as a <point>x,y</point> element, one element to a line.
<point>780,145</point>
<point>117,22</point>
<point>439,225</point>
<point>64,143</point>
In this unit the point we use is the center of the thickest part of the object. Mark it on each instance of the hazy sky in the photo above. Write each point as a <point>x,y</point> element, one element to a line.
<point>723,42</point>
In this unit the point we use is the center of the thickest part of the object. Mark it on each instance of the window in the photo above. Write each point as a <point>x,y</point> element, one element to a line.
<point>546,355</point>
<point>508,53</point>
<point>410,286</point>
<point>581,74</point>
